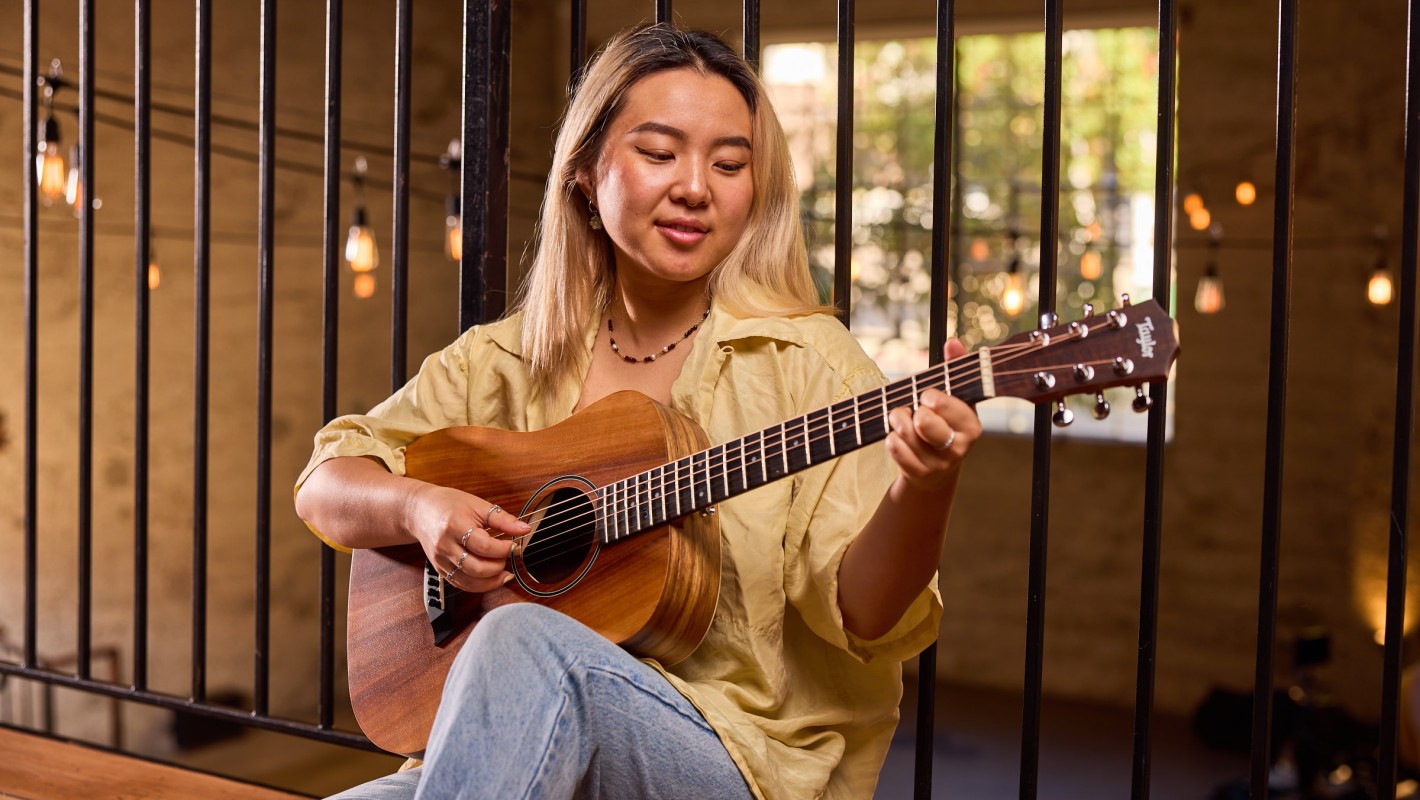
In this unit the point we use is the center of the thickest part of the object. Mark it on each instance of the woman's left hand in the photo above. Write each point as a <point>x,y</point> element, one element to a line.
<point>930,442</point>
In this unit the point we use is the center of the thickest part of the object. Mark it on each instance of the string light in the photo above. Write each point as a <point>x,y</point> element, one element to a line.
<point>1379,289</point>
<point>49,157</point>
<point>1246,193</point>
<point>1192,202</point>
<point>1209,298</point>
<point>1199,218</point>
<point>364,286</point>
<point>361,251</point>
<point>452,161</point>
<point>74,186</point>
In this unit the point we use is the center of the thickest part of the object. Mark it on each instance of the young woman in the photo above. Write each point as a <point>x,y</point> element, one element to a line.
<point>670,261</point>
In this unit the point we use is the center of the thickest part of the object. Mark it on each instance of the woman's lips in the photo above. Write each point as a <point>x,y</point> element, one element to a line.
<point>681,234</point>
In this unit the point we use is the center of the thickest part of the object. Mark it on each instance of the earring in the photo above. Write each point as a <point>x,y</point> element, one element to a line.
<point>596,220</point>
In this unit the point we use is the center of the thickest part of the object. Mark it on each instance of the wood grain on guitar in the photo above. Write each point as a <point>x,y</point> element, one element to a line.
<point>618,497</point>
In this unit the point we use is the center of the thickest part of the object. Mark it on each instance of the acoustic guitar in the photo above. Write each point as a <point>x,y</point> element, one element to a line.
<point>621,499</point>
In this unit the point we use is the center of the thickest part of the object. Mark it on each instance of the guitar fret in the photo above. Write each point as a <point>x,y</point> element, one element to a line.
<point>724,469</point>
<point>676,468</point>
<point>947,377</point>
<point>916,403</point>
<point>661,484</point>
<point>808,455</point>
<point>784,445</point>
<point>883,392</point>
<point>858,424</point>
<point>832,434</point>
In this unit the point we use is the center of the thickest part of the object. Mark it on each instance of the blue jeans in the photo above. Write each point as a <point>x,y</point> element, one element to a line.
<point>539,706</point>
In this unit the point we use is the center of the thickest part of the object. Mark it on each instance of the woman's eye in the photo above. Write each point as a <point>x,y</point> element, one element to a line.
<point>731,166</point>
<point>654,156</point>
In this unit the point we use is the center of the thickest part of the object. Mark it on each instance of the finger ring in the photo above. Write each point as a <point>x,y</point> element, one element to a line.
<point>947,445</point>
<point>489,516</point>
<point>449,576</point>
<point>463,542</point>
<point>459,565</point>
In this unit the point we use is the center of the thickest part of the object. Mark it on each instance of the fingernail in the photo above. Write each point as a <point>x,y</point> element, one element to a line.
<point>523,526</point>
<point>507,579</point>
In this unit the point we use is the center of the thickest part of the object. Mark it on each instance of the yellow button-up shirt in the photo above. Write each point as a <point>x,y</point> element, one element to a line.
<point>805,708</point>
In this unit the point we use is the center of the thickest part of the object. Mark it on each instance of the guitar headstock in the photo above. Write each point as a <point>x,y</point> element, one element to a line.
<point>1129,346</point>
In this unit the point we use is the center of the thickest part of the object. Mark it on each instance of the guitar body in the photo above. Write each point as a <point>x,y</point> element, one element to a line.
<point>653,593</point>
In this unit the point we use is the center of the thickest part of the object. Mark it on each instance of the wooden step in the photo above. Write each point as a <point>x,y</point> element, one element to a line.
<point>35,767</point>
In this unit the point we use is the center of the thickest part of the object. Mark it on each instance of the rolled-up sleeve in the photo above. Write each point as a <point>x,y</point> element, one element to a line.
<point>831,504</point>
<point>436,397</point>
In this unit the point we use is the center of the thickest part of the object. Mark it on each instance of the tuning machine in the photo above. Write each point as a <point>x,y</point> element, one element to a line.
<point>1062,416</point>
<point>1142,401</point>
<point>1101,409</point>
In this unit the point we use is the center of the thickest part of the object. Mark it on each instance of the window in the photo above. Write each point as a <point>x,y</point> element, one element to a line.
<point>1106,199</point>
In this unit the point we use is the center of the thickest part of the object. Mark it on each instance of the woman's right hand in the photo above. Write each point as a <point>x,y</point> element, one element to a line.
<point>465,537</point>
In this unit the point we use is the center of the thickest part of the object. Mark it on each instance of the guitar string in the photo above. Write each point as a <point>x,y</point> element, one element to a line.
<point>816,433</point>
<point>544,552</point>
<point>962,379</point>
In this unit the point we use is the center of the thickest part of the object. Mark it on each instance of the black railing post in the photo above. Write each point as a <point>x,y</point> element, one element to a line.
<point>142,168</point>
<point>86,336</point>
<point>843,170</point>
<point>201,300</point>
<point>1276,397</point>
<point>30,194</point>
<point>484,187</point>
<point>1399,533</point>
<point>330,335</point>
<point>265,297</point>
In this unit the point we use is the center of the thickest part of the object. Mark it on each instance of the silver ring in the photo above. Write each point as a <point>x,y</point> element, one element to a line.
<point>487,518</point>
<point>463,542</point>
<point>459,565</point>
<point>449,576</point>
<point>951,440</point>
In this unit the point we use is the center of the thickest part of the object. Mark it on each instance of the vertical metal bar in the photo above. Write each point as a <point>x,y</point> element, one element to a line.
<point>1404,426</point>
<point>1040,472</point>
<point>201,299</point>
<point>142,168</point>
<point>1276,395</point>
<point>400,238</point>
<point>86,336</point>
<point>330,341</point>
<point>266,137</point>
<point>1158,394</point>
<point>578,57</point>
<point>944,123</point>
<point>31,256</point>
<point>751,33</point>
<point>663,11</point>
<point>484,187</point>
<point>843,171</point>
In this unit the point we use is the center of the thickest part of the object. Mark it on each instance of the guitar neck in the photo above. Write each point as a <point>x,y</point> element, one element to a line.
<point>652,498</point>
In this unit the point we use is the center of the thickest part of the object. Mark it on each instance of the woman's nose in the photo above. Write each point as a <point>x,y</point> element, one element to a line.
<point>691,186</point>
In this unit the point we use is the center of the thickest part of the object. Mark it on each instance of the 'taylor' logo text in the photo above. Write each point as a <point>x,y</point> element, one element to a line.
<point>1146,338</point>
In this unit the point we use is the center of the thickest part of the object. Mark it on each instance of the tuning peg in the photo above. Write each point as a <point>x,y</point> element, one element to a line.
<point>1116,319</point>
<point>1078,330</point>
<point>1040,337</point>
<point>1089,309</point>
<point>1124,300</point>
<point>1044,380</point>
<point>1101,409</point>
<point>1084,373</point>
<point>1142,401</point>
<point>1123,366</point>
<point>1048,320</point>
<point>1062,416</point>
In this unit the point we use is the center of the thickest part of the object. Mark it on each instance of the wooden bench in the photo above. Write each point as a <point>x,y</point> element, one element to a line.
<point>35,767</point>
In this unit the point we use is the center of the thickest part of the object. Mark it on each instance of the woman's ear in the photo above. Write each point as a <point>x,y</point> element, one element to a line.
<point>584,185</point>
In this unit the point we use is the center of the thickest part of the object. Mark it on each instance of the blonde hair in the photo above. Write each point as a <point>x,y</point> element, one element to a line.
<point>573,267</point>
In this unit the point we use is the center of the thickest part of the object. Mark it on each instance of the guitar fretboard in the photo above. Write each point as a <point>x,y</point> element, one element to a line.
<point>652,498</point>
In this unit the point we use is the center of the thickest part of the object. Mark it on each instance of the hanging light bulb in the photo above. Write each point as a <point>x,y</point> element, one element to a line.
<point>1246,193</point>
<point>155,275</point>
<point>360,250</point>
<point>1091,266</point>
<point>1380,289</point>
<point>1013,296</point>
<point>453,230</point>
<point>1192,202</point>
<point>74,186</point>
<point>49,158</point>
<point>1209,297</point>
<point>1199,219</point>
<point>364,285</point>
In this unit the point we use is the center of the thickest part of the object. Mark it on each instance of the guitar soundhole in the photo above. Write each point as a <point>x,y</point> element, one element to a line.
<point>565,535</point>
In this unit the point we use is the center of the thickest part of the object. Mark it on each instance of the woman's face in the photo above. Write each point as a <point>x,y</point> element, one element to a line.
<point>673,183</point>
